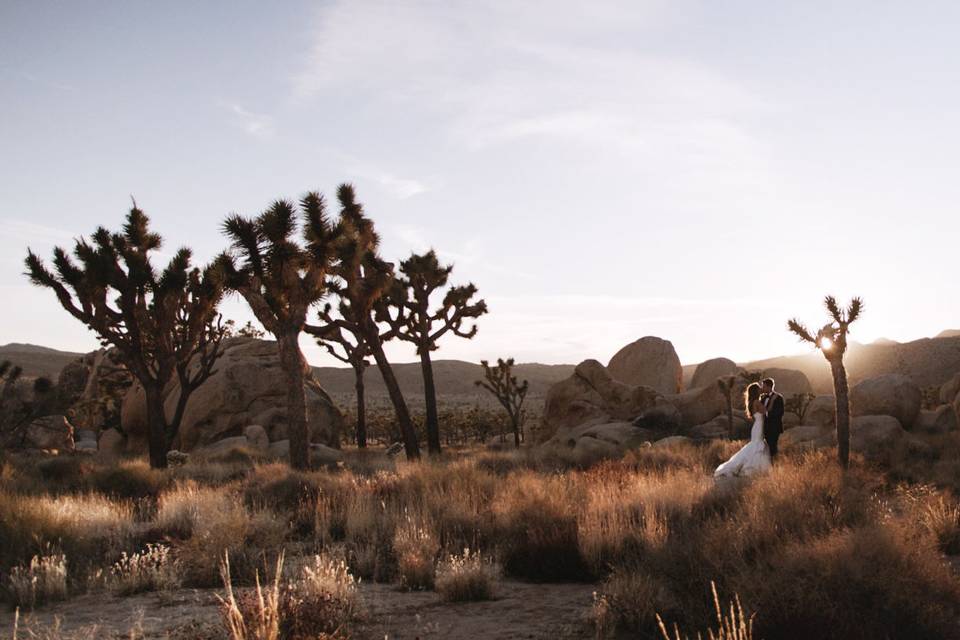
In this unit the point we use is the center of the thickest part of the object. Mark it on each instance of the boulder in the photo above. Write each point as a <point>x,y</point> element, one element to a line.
<point>590,450</point>
<point>85,446</point>
<point>591,396</point>
<point>789,381</point>
<point>708,372</point>
<point>875,436</point>
<point>257,437</point>
<point>650,362</point>
<point>662,417</point>
<point>249,387</point>
<point>891,394</point>
<point>950,390</point>
<point>943,419</point>
<point>807,437</point>
<point>49,432</point>
<point>85,435</point>
<point>279,449</point>
<point>790,420</point>
<point>716,429</point>
<point>322,454</point>
<point>225,446</point>
<point>111,444</point>
<point>821,412</point>
<point>697,406</point>
<point>106,383</point>
<point>71,383</point>
<point>672,441</point>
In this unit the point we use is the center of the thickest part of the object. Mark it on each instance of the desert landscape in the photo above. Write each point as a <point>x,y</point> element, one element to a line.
<point>544,321</point>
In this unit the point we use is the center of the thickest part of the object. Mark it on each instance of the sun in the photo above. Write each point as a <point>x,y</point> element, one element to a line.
<point>826,343</point>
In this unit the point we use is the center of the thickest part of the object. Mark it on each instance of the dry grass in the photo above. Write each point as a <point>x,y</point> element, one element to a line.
<point>43,579</point>
<point>153,569</point>
<point>466,577</point>
<point>816,552</point>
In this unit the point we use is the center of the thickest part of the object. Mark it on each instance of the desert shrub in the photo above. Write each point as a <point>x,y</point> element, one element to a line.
<point>630,599</point>
<point>278,487</point>
<point>221,524</point>
<point>89,529</point>
<point>941,518</point>
<point>466,577</point>
<point>133,479</point>
<point>416,549</point>
<point>321,601</point>
<point>182,506</point>
<point>43,579</point>
<point>152,569</point>
<point>63,472</point>
<point>731,624</point>
<point>207,473</point>
<point>539,535</point>
<point>877,581</point>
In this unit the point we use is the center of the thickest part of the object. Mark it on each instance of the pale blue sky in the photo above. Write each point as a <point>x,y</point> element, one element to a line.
<point>602,171</point>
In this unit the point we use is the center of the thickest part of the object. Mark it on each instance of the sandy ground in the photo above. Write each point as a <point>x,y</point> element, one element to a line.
<point>521,610</point>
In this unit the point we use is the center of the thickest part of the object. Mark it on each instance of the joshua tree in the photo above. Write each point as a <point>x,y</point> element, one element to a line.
<point>362,278</point>
<point>831,340</point>
<point>416,322</point>
<point>351,349</point>
<point>162,325</point>
<point>246,331</point>
<point>501,382</point>
<point>281,279</point>
<point>798,403</point>
<point>728,385</point>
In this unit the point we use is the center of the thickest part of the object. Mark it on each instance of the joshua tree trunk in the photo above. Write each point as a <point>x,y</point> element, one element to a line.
<point>410,445</point>
<point>841,392</point>
<point>361,409</point>
<point>292,361</point>
<point>729,399</point>
<point>516,431</point>
<point>156,427</point>
<point>430,399</point>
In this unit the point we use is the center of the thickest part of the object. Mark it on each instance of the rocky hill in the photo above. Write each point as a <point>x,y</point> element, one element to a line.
<point>928,362</point>
<point>37,361</point>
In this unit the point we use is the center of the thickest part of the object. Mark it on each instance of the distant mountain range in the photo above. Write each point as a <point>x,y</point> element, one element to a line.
<point>929,361</point>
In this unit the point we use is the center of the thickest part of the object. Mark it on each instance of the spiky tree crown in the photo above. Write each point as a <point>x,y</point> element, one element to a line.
<point>112,287</point>
<point>279,276</point>
<point>831,338</point>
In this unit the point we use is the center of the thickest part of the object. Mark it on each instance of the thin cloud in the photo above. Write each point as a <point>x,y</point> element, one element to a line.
<point>257,125</point>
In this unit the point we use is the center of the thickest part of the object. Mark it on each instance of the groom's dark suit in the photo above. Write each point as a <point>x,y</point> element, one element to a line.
<point>773,424</point>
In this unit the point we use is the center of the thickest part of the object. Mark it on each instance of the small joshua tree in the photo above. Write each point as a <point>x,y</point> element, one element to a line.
<point>361,278</point>
<point>831,340</point>
<point>162,325</point>
<point>728,385</point>
<point>798,403</point>
<point>501,382</point>
<point>281,279</point>
<point>352,350</point>
<point>407,310</point>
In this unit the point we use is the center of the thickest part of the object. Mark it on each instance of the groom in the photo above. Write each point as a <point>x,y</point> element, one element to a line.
<point>773,425</point>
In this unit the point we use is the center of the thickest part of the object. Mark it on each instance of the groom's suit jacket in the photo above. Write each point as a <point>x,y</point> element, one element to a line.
<point>774,420</point>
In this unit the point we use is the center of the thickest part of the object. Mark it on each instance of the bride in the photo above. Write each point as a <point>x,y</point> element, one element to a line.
<point>754,457</point>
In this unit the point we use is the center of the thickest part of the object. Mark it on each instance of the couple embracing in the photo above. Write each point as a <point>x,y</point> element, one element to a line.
<point>765,406</point>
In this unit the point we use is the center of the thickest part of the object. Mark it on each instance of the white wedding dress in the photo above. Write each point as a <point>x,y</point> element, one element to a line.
<point>751,459</point>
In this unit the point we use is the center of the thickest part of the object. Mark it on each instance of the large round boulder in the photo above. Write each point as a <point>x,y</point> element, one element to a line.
<point>707,372</point>
<point>789,381</point>
<point>808,437</point>
<point>650,362</point>
<point>875,436</point>
<point>950,390</point>
<point>891,394</point>
<point>698,406</point>
<point>49,432</point>
<point>247,388</point>
<point>821,412</point>
<point>591,396</point>
<point>943,419</point>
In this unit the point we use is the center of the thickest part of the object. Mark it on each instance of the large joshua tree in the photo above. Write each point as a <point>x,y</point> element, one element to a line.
<point>362,277</point>
<point>281,279</point>
<point>407,310</point>
<point>831,340</point>
<point>511,393</point>
<point>162,324</point>
<point>348,348</point>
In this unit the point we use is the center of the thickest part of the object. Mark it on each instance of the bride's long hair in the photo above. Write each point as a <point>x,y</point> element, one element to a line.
<point>751,395</point>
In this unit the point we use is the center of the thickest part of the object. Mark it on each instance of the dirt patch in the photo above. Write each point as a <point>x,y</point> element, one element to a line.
<point>521,610</point>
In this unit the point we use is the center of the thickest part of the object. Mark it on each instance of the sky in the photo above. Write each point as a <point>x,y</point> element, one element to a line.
<point>602,171</point>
